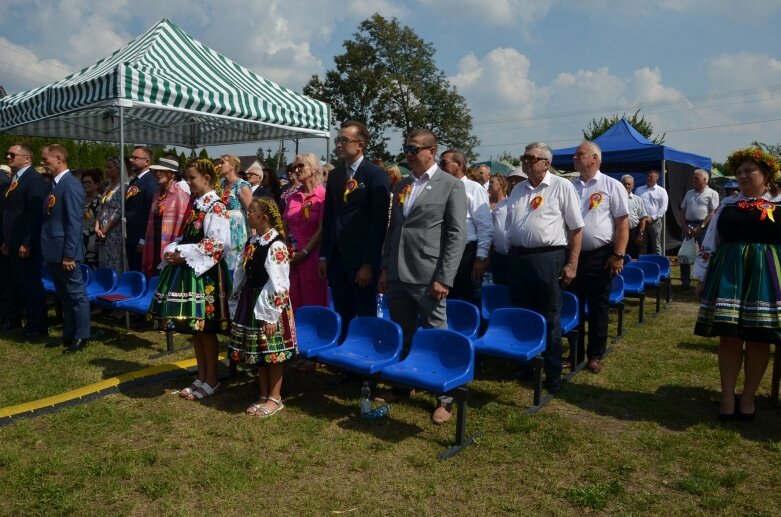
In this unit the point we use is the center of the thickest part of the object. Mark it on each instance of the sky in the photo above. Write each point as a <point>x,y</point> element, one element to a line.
<point>705,72</point>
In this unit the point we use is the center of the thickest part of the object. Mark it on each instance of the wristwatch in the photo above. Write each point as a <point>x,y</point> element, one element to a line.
<point>702,226</point>
<point>617,255</point>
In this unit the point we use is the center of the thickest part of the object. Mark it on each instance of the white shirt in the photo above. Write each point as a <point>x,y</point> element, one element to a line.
<point>479,226</point>
<point>351,168</point>
<point>141,175</point>
<point>655,199</point>
<point>557,212</point>
<point>418,184</point>
<point>22,171</point>
<point>636,207</point>
<point>602,200</point>
<point>58,177</point>
<point>499,217</point>
<point>698,205</point>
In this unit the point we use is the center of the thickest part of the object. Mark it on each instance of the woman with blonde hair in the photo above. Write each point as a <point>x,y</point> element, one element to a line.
<point>236,195</point>
<point>394,174</point>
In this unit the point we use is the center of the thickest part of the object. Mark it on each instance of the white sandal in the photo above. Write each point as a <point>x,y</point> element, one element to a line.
<point>264,412</point>
<point>253,409</point>
<point>190,390</point>
<point>205,391</point>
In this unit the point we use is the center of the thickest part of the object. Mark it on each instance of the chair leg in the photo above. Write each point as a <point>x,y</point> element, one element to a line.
<point>169,345</point>
<point>574,339</point>
<point>460,395</point>
<point>620,323</point>
<point>667,285</point>
<point>776,379</point>
<point>658,298</point>
<point>640,310</point>
<point>539,400</point>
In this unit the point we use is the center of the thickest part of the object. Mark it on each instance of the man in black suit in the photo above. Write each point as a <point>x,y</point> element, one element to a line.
<point>63,246</point>
<point>255,177</point>
<point>138,201</point>
<point>354,225</point>
<point>22,217</point>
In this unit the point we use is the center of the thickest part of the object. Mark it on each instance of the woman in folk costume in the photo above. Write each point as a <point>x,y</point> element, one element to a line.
<point>263,330</point>
<point>192,296</point>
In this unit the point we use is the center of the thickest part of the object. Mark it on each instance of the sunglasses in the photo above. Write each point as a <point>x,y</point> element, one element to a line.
<point>339,140</point>
<point>443,163</point>
<point>413,149</point>
<point>527,158</point>
<point>298,166</point>
<point>14,155</point>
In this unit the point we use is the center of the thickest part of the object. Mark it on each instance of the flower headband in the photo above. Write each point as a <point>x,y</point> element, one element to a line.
<point>754,154</point>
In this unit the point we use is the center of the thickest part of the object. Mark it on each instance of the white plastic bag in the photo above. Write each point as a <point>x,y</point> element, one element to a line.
<point>688,252</point>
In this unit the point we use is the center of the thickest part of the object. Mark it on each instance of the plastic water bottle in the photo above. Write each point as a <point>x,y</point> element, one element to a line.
<point>380,307</point>
<point>378,412</point>
<point>365,402</point>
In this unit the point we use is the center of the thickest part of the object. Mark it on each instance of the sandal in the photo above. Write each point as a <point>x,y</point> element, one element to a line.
<point>205,391</point>
<point>253,409</point>
<point>189,390</point>
<point>264,412</point>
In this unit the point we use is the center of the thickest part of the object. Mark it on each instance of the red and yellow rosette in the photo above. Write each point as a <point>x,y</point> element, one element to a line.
<point>190,218</point>
<point>536,202</point>
<point>132,191</point>
<point>349,188</point>
<point>594,200</point>
<point>14,183</point>
<point>404,194</point>
<point>50,203</point>
<point>249,251</point>
<point>307,206</point>
<point>767,210</point>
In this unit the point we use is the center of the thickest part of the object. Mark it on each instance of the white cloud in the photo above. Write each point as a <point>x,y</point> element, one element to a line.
<point>494,12</point>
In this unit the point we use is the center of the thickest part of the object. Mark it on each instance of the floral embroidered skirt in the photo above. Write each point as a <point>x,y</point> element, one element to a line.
<point>249,344</point>
<point>188,303</point>
<point>742,297</point>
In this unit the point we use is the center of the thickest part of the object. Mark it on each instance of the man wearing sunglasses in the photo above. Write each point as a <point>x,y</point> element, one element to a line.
<point>424,245</point>
<point>22,220</point>
<point>544,232</point>
<point>354,223</point>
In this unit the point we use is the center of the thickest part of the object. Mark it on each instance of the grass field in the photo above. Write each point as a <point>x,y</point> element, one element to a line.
<point>640,438</point>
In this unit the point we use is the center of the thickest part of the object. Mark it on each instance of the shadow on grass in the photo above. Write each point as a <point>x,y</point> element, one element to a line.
<point>711,348</point>
<point>674,407</point>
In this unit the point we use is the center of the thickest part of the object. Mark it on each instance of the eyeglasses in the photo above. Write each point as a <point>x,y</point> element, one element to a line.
<point>14,155</point>
<point>339,140</point>
<point>527,158</point>
<point>253,174</point>
<point>138,158</point>
<point>413,149</point>
<point>443,162</point>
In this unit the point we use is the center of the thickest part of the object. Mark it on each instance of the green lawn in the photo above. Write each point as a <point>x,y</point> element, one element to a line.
<point>640,438</point>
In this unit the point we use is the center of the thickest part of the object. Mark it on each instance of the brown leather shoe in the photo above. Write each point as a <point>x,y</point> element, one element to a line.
<point>566,364</point>
<point>442,414</point>
<point>391,397</point>
<point>595,365</point>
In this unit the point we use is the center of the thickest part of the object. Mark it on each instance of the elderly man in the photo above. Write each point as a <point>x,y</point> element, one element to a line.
<point>603,205</point>
<point>656,200</point>
<point>484,171</point>
<point>638,218</point>
<point>544,232</point>
<point>697,209</point>
<point>479,231</point>
<point>255,178</point>
<point>423,248</point>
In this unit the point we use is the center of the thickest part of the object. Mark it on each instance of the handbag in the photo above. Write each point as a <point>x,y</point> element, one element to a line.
<point>687,254</point>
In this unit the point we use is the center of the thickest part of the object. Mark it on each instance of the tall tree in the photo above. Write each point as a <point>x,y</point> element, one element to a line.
<point>644,127</point>
<point>387,79</point>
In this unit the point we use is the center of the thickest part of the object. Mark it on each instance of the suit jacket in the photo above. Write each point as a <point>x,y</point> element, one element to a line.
<point>356,228</point>
<point>427,244</point>
<point>262,192</point>
<point>137,205</point>
<point>23,212</point>
<point>62,221</point>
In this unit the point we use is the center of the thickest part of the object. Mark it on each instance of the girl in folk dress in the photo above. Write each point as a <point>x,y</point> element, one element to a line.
<point>192,296</point>
<point>263,330</point>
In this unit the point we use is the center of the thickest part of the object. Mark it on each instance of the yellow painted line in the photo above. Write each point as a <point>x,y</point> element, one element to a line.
<point>96,387</point>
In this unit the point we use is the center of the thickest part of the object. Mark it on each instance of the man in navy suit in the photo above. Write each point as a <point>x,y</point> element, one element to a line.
<point>354,224</point>
<point>138,201</point>
<point>63,247</point>
<point>22,215</point>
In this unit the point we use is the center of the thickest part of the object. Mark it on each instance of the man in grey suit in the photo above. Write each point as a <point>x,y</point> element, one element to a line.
<point>423,247</point>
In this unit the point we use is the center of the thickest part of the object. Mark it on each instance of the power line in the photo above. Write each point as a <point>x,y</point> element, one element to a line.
<point>31,54</point>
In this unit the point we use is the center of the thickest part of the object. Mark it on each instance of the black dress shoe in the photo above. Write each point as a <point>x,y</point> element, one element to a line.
<point>76,346</point>
<point>33,336</point>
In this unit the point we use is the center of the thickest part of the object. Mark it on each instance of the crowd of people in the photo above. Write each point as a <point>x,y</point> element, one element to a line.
<point>237,252</point>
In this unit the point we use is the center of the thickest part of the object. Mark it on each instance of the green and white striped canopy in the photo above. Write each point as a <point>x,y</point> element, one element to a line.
<point>174,90</point>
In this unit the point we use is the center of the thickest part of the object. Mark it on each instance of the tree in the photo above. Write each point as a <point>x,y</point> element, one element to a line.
<point>387,79</point>
<point>597,127</point>
<point>773,150</point>
<point>510,158</point>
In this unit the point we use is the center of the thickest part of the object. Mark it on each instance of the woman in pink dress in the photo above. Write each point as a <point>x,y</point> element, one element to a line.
<point>304,217</point>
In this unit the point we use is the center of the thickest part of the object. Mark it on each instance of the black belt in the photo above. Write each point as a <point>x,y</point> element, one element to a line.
<point>534,251</point>
<point>584,253</point>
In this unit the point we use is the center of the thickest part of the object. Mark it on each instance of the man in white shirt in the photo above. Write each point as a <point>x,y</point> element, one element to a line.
<point>656,200</point>
<point>485,174</point>
<point>479,231</point>
<point>638,218</point>
<point>544,232</point>
<point>603,205</point>
<point>697,209</point>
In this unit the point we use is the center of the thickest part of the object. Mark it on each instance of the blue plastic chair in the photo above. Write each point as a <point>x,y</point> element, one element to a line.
<point>139,305</point>
<point>131,285</point>
<point>494,296</point>
<point>371,344</point>
<point>440,361</point>
<point>46,279</point>
<point>651,278</point>
<point>634,287</point>
<point>463,317</point>
<point>520,335</point>
<point>317,330</point>
<point>104,280</point>
<point>664,271</point>
<point>571,328</point>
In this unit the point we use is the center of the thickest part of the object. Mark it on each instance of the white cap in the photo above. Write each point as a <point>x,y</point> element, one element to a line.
<point>518,171</point>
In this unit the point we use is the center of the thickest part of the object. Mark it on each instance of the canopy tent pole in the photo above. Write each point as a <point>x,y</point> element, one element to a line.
<point>664,217</point>
<point>122,180</point>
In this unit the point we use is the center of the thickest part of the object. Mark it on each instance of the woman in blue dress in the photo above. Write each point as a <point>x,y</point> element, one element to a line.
<point>236,195</point>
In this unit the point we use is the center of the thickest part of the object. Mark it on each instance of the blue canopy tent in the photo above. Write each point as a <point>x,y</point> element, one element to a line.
<point>625,151</point>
